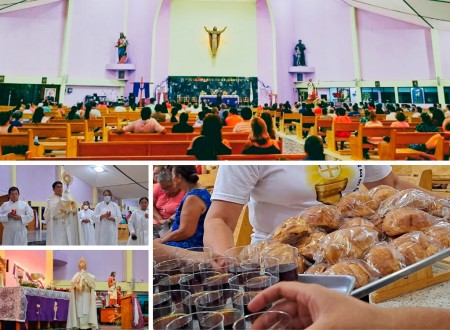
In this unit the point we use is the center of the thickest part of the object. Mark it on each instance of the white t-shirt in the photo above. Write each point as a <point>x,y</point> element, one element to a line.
<point>274,193</point>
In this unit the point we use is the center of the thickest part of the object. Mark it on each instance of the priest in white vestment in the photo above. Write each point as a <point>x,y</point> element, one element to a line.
<point>138,224</point>
<point>107,217</point>
<point>15,215</point>
<point>82,305</point>
<point>86,217</point>
<point>61,216</point>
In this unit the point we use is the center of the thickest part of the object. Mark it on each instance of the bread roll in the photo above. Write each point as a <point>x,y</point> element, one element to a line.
<point>310,245</point>
<point>439,208</point>
<point>324,216</point>
<point>349,243</point>
<point>405,220</point>
<point>440,232</point>
<point>358,222</point>
<point>382,192</point>
<point>357,204</point>
<point>414,198</point>
<point>317,269</point>
<point>292,231</point>
<point>416,246</point>
<point>385,259</point>
<point>357,268</point>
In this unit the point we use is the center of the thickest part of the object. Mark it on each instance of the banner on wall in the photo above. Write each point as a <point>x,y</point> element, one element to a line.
<point>145,87</point>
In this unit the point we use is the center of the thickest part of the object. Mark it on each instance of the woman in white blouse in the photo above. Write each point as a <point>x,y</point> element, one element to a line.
<point>15,215</point>
<point>86,217</point>
<point>138,224</point>
<point>107,217</point>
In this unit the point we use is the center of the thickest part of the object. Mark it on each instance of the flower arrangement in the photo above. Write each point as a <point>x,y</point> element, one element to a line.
<point>29,284</point>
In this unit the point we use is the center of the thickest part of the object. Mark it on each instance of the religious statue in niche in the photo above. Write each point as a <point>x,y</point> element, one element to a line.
<point>214,39</point>
<point>299,56</point>
<point>122,46</point>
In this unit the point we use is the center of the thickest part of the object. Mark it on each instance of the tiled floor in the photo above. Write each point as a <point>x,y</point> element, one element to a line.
<point>38,238</point>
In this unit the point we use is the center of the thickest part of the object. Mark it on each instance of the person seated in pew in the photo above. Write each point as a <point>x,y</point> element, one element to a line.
<point>314,148</point>
<point>5,125</point>
<point>183,126</point>
<point>269,124</point>
<point>400,120</point>
<point>61,110</point>
<point>259,141</point>
<point>342,118</point>
<point>200,116</point>
<point>426,125</point>
<point>210,143</point>
<point>143,125</point>
<point>16,119</point>
<point>373,122</point>
<point>245,125</point>
<point>159,116</point>
<point>233,117</point>
<point>72,115</point>
<point>39,117</point>
<point>308,113</point>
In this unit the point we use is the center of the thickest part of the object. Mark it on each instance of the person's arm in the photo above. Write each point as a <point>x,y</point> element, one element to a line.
<point>220,222</point>
<point>193,208</point>
<point>4,214</point>
<point>315,307</point>
<point>116,215</point>
<point>131,223</point>
<point>28,215</point>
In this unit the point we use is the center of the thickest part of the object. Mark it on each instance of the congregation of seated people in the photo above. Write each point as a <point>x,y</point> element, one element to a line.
<point>212,126</point>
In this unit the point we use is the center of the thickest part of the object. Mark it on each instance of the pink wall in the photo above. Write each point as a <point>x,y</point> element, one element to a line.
<point>33,38</point>
<point>140,266</point>
<point>393,50</point>
<point>264,50</point>
<point>33,261</point>
<point>5,172</point>
<point>327,38</point>
<point>161,51</point>
<point>35,181</point>
<point>444,37</point>
<point>99,263</point>
<point>79,92</point>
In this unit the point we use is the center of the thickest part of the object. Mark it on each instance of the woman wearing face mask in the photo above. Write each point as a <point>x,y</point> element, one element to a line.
<point>107,217</point>
<point>138,224</point>
<point>86,216</point>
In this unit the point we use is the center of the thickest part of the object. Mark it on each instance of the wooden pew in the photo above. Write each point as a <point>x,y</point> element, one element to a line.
<point>9,156</point>
<point>332,140</point>
<point>21,139</point>
<point>304,120</point>
<point>320,124</point>
<point>91,125</point>
<point>295,117</point>
<point>76,126</point>
<point>117,158</point>
<point>263,157</point>
<point>169,136</point>
<point>143,148</point>
<point>356,142</point>
<point>56,137</point>
<point>398,147</point>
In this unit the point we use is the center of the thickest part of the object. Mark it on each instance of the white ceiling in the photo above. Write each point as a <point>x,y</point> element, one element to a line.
<point>428,13</point>
<point>12,5</point>
<point>124,181</point>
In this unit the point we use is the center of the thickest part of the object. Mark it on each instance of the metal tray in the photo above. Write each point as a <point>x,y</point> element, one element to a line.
<point>375,285</point>
<point>340,283</point>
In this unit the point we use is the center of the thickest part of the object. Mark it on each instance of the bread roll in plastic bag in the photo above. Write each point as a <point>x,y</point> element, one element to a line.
<point>382,192</point>
<point>439,208</point>
<point>416,246</point>
<point>406,219</point>
<point>342,244</point>
<point>362,272</point>
<point>323,216</point>
<point>317,269</point>
<point>310,245</point>
<point>385,258</point>
<point>292,231</point>
<point>414,198</point>
<point>439,231</point>
<point>357,204</point>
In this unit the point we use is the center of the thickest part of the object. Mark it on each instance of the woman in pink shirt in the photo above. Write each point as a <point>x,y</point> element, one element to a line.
<point>373,122</point>
<point>401,120</point>
<point>166,199</point>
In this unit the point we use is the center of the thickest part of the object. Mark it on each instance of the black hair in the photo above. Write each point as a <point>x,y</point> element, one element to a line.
<point>187,172</point>
<point>340,111</point>
<point>184,117</point>
<point>12,188</point>
<point>37,115</point>
<point>400,116</point>
<point>4,117</point>
<point>246,113</point>
<point>56,183</point>
<point>145,113</point>
<point>143,198</point>
<point>72,112</point>
<point>314,148</point>
<point>107,190</point>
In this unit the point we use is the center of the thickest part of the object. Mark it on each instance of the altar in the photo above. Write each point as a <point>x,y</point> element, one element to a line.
<point>229,100</point>
<point>24,304</point>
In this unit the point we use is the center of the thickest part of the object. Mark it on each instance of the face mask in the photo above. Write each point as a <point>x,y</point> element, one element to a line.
<point>85,207</point>
<point>107,199</point>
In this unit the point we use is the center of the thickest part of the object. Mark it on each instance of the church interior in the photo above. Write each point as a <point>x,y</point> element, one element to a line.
<point>291,59</point>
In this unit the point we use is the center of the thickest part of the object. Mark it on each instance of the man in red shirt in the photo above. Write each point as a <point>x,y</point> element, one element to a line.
<point>342,118</point>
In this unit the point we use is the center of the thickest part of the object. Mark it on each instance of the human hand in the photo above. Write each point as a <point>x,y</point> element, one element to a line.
<point>315,307</point>
<point>85,221</point>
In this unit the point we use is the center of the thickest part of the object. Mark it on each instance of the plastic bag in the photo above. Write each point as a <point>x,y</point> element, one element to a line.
<point>385,258</point>
<point>414,198</point>
<point>359,222</point>
<point>416,246</point>
<point>404,220</point>
<point>309,245</point>
<point>382,192</point>
<point>357,204</point>
<point>292,231</point>
<point>363,273</point>
<point>439,208</point>
<point>327,217</point>
<point>440,232</point>
<point>349,243</point>
<point>317,269</point>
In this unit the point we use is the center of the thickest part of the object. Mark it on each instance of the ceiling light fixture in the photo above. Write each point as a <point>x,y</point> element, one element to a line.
<point>98,169</point>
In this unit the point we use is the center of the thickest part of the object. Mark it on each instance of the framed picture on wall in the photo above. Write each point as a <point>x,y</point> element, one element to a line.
<point>50,94</point>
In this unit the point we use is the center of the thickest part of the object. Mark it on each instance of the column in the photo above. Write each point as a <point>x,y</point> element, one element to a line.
<point>65,50</point>
<point>437,64</point>
<point>356,57</point>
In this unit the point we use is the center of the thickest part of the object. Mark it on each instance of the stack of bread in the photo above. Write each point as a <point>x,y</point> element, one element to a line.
<point>368,235</point>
